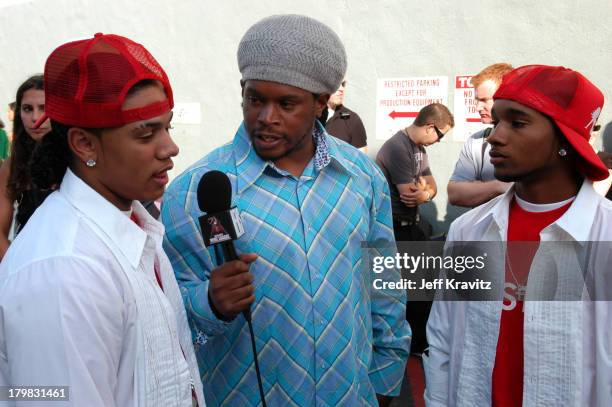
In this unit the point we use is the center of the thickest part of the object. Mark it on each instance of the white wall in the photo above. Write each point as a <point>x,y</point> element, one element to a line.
<point>196,42</point>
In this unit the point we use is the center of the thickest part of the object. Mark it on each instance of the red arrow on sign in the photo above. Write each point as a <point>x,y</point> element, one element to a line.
<point>395,114</point>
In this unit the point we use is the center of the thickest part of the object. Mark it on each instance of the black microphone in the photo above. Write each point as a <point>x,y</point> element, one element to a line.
<point>221,223</point>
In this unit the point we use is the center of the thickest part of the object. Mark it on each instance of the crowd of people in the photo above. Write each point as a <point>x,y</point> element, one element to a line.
<point>99,296</point>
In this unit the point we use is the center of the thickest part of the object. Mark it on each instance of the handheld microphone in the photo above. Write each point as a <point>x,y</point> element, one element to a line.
<point>221,223</point>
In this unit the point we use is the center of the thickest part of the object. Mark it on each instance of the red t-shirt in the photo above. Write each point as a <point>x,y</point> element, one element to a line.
<point>523,226</point>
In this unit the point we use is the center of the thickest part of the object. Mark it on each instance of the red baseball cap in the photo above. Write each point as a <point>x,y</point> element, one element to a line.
<point>86,82</point>
<point>568,98</point>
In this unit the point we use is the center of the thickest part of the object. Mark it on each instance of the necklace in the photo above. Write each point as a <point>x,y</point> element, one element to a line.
<point>521,289</point>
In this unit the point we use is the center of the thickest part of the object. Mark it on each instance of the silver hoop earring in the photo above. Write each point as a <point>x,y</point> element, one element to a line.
<point>90,163</point>
<point>562,152</point>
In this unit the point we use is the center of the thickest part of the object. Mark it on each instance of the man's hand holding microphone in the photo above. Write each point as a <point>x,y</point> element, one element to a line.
<point>231,290</point>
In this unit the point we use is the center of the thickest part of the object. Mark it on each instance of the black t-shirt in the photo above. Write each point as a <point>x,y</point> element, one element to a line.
<point>347,125</point>
<point>402,161</point>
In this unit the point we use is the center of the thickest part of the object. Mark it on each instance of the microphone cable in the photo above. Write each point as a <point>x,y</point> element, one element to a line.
<point>247,316</point>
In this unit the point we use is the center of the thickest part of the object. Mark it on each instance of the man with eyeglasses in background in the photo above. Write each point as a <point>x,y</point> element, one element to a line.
<point>404,163</point>
<point>403,160</point>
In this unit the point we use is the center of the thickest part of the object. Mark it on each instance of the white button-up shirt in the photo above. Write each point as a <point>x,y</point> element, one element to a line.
<point>80,307</point>
<point>567,344</point>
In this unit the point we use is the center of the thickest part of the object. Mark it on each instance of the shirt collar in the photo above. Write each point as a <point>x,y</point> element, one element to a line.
<point>127,238</point>
<point>576,221</point>
<point>499,210</point>
<point>250,166</point>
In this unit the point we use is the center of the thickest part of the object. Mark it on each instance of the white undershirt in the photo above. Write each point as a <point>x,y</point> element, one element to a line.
<point>531,207</point>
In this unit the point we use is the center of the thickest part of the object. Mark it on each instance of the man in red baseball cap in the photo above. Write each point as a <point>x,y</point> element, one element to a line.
<point>88,299</point>
<point>519,349</point>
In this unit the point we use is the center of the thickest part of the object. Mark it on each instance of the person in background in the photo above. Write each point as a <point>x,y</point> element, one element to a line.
<point>344,123</point>
<point>403,161</point>
<point>472,182</point>
<point>16,186</point>
<point>10,113</point>
<point>602,187</point>
<point>5,143</point>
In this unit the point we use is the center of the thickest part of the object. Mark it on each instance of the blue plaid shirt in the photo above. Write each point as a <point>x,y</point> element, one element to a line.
<point>325,336</point>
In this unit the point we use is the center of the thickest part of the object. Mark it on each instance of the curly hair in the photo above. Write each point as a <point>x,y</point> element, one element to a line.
<point>22,145</point>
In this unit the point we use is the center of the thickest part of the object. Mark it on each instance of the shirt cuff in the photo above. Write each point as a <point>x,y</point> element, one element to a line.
<point>387,374</point>
<point>203,316</point>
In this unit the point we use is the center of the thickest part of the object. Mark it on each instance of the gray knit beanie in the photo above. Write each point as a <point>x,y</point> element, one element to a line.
<point>293,50</point>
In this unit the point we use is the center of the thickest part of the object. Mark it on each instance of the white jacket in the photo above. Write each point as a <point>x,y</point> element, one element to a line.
<point>567,344</point>
<point>80,307</point>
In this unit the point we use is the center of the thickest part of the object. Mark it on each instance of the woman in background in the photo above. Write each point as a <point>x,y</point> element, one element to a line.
<point>15,174</point>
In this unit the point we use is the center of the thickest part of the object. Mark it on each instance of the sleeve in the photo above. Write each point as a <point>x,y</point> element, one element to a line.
<point>191,261</point>
<point>391,332</point>
<point>465,168</point>
<point>436,362</point>
<point>358,133</point>
<point>64,325</point>
<point>399,164</point>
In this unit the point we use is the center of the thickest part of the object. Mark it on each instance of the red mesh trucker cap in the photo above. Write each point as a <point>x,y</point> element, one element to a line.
<point>86,82</point>
<point>568,98</point>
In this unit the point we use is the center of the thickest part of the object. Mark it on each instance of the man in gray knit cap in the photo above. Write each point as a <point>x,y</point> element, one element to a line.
<point>325,336</point>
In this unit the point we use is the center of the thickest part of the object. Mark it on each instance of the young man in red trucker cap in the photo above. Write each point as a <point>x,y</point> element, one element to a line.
<point>88,299</point>
<point>512,351</point>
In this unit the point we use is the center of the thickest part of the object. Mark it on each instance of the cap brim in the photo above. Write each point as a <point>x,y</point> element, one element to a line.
<point>40,121</point>
<point>589,163</point>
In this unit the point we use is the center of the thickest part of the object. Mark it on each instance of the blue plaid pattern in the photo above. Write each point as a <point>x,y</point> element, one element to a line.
<point>324,336</point>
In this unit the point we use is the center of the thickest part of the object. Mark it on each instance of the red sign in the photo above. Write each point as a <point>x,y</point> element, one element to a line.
<point>395,114</point>
<point>463,82</point>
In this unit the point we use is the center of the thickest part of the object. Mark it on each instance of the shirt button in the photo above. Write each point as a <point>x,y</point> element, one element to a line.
<point>321,322</point>
<point>532,379</point>
<point>323,366</point>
